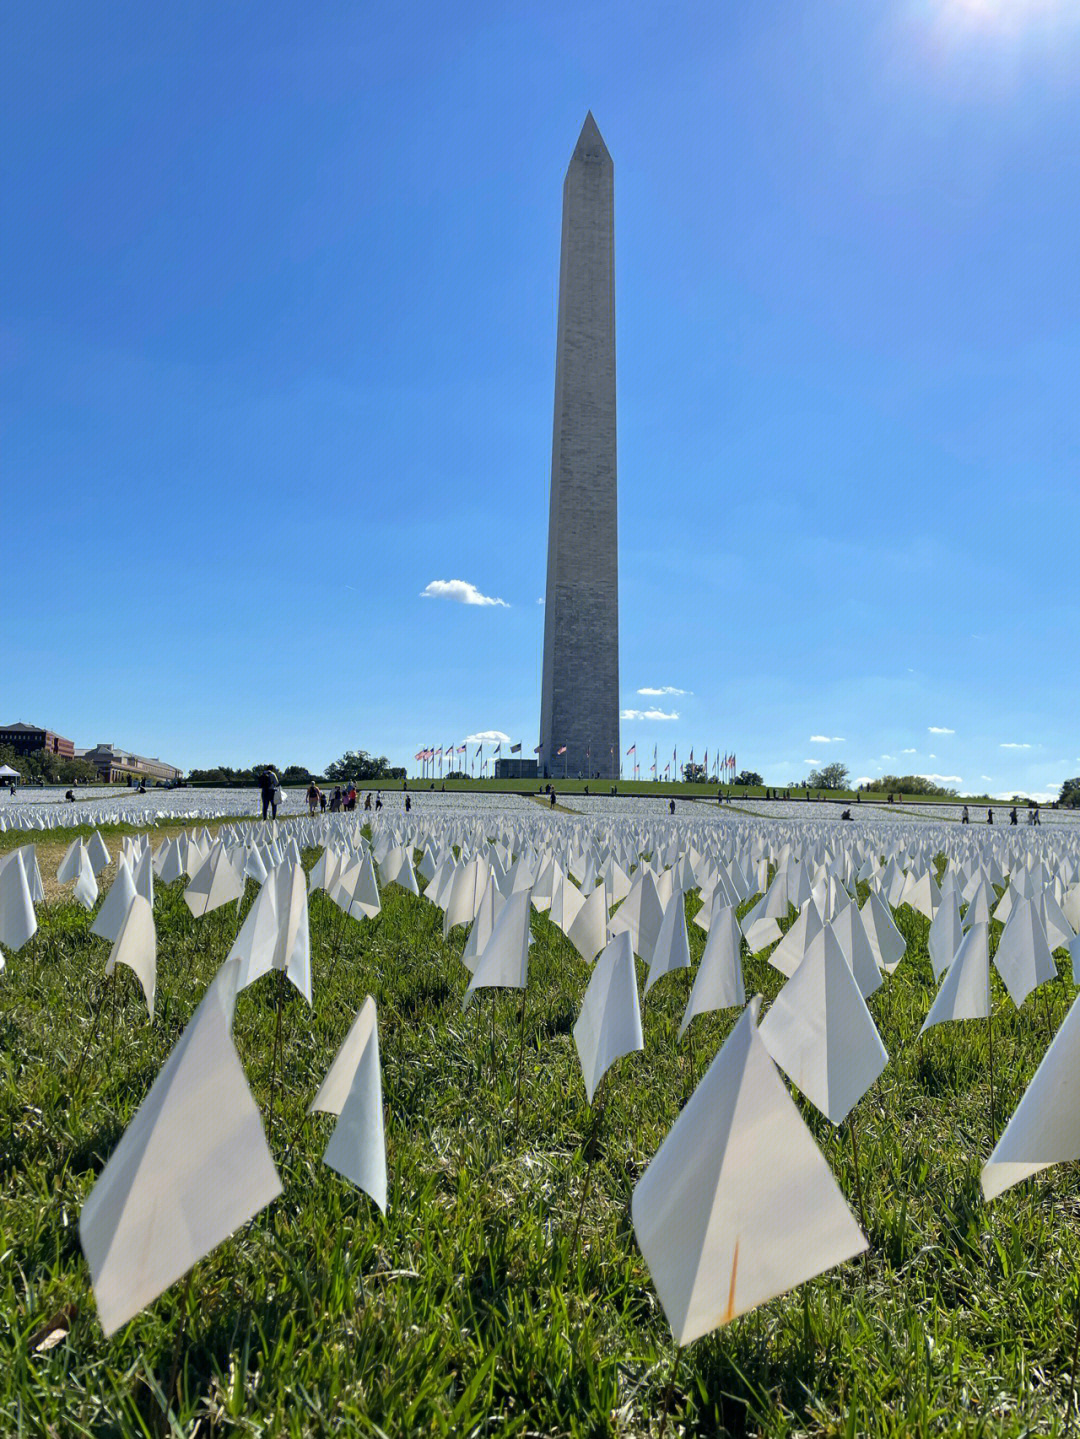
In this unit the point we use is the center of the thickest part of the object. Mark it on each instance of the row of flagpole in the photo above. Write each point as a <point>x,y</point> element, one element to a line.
<point>428,758</point>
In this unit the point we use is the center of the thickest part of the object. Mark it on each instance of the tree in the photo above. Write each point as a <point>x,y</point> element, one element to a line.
<point>358,765</point>
<point>1070,794</point>
<point>907,784</point>
<point>831,776</point>
<point>750,777</point>
<point>694,773</point>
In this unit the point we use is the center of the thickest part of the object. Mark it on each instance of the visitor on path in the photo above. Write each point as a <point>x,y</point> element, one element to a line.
<point>552,797</point>
<point>335,800</point>
<point>367,800</point>
<point>408,803</point>
<point>846,814</point>
<point>965,818</point>
<point>350,796</point>
<point>270,785</point>
<point>671,806</point>
<point>1012,815</point>
<point>989,816</point>
<point>313,797</point>
<point>1035,818</point>
<point>378,801</point>
<point>322,802</point>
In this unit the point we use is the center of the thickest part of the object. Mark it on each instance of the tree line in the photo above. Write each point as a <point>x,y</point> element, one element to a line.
<point>42,764</point>
<point>355,765</point>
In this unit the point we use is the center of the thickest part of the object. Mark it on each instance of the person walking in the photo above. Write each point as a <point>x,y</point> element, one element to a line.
<point>313,797</point>
<point>270,786</point>
<point>989,816</point>
<point>965,818</point>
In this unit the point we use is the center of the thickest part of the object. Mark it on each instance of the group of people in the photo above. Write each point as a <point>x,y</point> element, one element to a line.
<point>1033,816</point>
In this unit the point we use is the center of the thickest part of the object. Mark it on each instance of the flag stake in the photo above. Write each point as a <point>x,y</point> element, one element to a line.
<point>282,981</point>
<point>598,1111</point>
<point>990,1037</point>
<point>521,1062</point>
<point>858,1176</point>
<point>174,1367</point>
<point>670,1391</point>
<point>93,1033</point>
<point>1072,1366</point>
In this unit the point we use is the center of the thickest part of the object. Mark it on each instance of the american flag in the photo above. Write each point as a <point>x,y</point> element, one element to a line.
<point>561,749</point>
<point>633,748</point>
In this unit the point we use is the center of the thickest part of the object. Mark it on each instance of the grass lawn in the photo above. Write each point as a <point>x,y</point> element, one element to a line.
<point>469,1309</point>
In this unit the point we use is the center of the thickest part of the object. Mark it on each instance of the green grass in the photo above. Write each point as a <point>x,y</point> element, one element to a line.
<point>468,1310</point>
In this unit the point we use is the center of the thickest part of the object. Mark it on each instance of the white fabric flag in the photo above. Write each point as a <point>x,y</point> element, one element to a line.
<point>98,854</point>
<point>253,949</point>
<point>718,983</point>
<point>672,948</point>
<point>791,951</point>
<point>851,933</point>
<point>609,1024</point>
<point>505,960</point>
<point>364,900</point>
<point>214,883</point>
<point>946,932</point>
<point>888,944</point>
<point>136,946</point>
<point>112,914</point>
<point>821,1034</point>
<point>1045,1128</point>
<point>192,1166</point>
<point>353,1091</point>
<point>71,864</point>
<point>292,952</point>
<point>589,929</point>
<point>738,1204</point>
<point>965,991</point>
<point>86,886</point>
<point>1023,956</point>
<point>18,922</point>
<point>144,875</point>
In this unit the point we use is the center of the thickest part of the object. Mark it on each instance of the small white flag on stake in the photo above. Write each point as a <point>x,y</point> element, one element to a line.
<point>192,1166</point>
<point>136,946</point>
<point>352,1090</point>
<point>609,1024</point>
<point>738,1204</point>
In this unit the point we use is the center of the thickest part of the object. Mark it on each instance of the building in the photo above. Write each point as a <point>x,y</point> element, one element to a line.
<point>515,769</point>
<point>28,739</point>
<point>117,765</point>
<point>579,710</point>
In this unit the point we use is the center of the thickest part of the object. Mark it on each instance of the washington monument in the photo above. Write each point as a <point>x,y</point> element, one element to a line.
<point>579,708</point>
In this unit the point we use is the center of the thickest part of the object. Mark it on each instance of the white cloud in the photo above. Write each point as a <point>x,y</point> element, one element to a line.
<point>1040,796</point>
<point>942,778</point>
<point>824,739</point>
<point>939,729</point>
<point>664,690</point>
<point>1015,746</point>
<point>907,751</point>
<point>889,758</point>
<point>811,761</point>
<point>486,735</point>
<point>648,715</point>
<point>987,777</point>
<point>540,601</point>
<point>460,591</point>
<point>863,779</point>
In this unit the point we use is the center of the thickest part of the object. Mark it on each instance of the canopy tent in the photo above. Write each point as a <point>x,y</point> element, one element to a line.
<point>6,773</point>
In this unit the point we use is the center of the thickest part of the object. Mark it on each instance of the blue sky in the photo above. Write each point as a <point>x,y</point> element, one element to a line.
<point>279,302</point>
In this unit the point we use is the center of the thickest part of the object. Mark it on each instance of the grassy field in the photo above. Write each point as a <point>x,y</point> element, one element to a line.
<point>469,1309</point>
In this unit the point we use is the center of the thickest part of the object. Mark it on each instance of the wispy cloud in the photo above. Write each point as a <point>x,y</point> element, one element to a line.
<point>942,778</point>
<point>824,739</point>
<point>889,758</point>
<point>664,690</point>
<point>540,601</point>
<point>485,736</point>
<point>811,761</point>
<point>648,715</point>
<point>907,751</point>
<point>1015,746</point>
<point>987,777</point>
<point>460,591</point>
<point>940,729</point>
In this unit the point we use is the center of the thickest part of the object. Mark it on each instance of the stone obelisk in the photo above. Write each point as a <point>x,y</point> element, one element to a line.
<point>579,707</point>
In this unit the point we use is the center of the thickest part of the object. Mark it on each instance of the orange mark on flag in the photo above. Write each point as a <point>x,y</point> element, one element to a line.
<point>729,1312</point>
